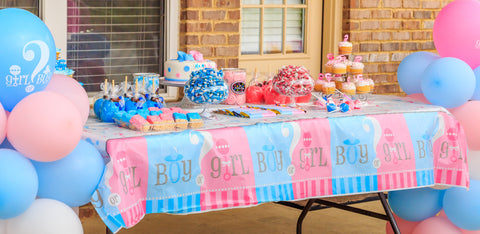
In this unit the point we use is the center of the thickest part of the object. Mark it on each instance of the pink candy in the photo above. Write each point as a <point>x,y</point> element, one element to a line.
<point>293,81</point>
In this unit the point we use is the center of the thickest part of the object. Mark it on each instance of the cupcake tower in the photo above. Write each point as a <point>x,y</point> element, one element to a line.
<point>347,74</point>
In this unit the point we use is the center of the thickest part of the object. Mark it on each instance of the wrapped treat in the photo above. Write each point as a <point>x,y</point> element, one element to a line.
<point>97,106</point>
<point>235,79</point>
<point>254,91</point>
<point>345,47</point>
<point>293,81</point>
<point>206,86</point>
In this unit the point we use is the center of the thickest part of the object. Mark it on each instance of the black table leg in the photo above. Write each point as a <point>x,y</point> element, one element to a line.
<point>389,213</point>
<point>303,215</point>
<point>108,230</point>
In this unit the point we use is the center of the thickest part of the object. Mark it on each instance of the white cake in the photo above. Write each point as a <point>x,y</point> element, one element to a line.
<point>179,70</point>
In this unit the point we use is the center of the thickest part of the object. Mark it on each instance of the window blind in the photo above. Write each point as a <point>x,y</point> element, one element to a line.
<point>272,35</point>
<point>111,39</point>
<point>29,5</point>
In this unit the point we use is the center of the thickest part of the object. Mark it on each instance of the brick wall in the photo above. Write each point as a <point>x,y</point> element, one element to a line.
<point>213,28</point>
<point>384,32</point>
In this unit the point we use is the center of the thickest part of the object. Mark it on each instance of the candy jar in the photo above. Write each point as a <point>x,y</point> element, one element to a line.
<point>293,81</point>
<point>254,91</point>
<point>235,79</point>
<point>206,87</point>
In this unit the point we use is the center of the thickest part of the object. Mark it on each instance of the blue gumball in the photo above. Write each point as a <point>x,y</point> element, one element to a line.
<point>416,204</point>
<point>72,179</point>
<point>462,206</point>
<point>448,82</point>
<point>28,55</point>
<point>18,183</point>
<point>411,68</point>
<point>476,93</point>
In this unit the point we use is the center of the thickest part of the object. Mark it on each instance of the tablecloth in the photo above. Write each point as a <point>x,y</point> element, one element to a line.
<point>391,143</point>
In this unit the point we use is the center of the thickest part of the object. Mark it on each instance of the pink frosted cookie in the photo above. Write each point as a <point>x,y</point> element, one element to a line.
<point>167,121</point>
<point>139,123</point>
<point>156,122</point>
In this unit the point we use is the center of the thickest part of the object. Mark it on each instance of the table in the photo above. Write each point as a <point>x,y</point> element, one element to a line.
<point>391,143</point>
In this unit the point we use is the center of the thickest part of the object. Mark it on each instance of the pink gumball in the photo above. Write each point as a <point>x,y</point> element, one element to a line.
<point>44,126</point>
<point>467,114</point>
<point>406,227</point>
<point>3,123</point>
<point>419,97</point>
<point>455,31</point>
<point>73,91</point>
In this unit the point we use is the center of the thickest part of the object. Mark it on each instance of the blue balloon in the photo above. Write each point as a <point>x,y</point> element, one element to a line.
<point>462,207</point>
<point>476,93</point>
<point>28,55</point>
<point>72,179</point>
<point>410,70</point>
<point>448,82</point>
<point>18,183</point>
<point>416,204</point>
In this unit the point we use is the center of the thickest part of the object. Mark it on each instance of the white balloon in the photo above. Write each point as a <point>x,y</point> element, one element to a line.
<point>473,158</point>
<point>46,216</point>
<point>3,226</point>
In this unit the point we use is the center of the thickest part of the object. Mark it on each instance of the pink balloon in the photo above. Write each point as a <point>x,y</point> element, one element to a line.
<point>419,97</point>
<point>73,91</point>
<point>44,126</point>
<point>406,227</point>
<point>436,225</point>
<point>455,31</point>
<point>3,123</point>
<point>467,114</point>
<point>470,232</point>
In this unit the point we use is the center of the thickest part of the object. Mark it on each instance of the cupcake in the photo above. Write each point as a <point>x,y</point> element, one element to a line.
<point>348,87</point>
<point>338,81</point>
<point>319,83</point>
<point>363,86</point>
<point>330,63</point>
<point>371,83</point>
<point>328,86</point>
<point>357,66</point>
<point>345,47</point>
<point>340,68</point>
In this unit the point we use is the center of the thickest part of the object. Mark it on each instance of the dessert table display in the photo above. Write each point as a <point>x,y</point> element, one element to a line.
<point>390,143</point>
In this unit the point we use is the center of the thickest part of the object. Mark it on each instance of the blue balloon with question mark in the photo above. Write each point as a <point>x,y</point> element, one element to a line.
<point>27,56</point>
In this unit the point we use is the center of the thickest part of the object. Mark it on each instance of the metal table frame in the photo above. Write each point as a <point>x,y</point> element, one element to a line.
<point>388,216</point>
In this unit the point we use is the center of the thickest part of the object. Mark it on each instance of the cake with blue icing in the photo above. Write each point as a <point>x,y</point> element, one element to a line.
<point>179,70</point>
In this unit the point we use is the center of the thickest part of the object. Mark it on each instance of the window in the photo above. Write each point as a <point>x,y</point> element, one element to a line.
<point>29,5</point>
<point>112,39</point>
<point>273,27</point>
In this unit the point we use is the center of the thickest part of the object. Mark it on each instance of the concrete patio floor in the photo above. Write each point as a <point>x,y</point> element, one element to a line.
<point>264,218</point>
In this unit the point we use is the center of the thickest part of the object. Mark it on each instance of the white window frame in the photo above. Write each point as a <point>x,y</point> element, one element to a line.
<point>54,14</point>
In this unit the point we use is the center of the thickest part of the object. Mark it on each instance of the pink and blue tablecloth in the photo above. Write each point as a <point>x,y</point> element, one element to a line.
<point>391,143</point>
